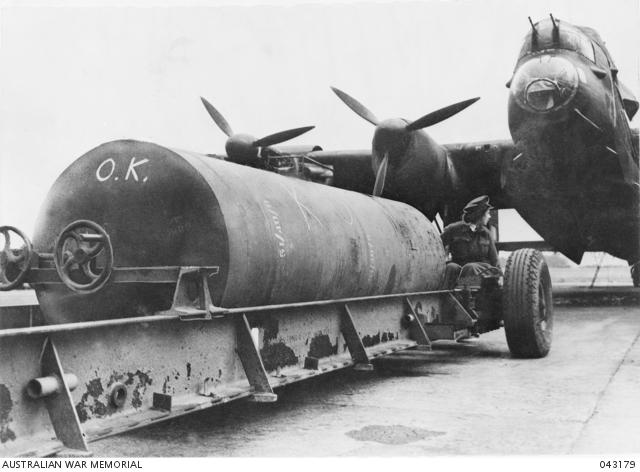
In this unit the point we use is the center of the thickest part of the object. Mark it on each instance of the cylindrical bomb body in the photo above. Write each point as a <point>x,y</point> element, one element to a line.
<point>275,239</point>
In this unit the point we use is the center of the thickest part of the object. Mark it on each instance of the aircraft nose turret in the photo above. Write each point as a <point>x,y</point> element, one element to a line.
<point>544,83</point>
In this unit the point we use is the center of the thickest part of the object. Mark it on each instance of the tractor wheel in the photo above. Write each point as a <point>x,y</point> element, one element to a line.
<point>527,304</point>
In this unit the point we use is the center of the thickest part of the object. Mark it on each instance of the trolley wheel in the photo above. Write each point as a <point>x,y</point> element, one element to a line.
<point>14,263</point>
<point>527,304</point>
<point>83,256</point>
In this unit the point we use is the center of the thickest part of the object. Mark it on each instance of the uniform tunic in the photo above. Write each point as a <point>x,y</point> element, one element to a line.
<point>468,246</point>
<point>473,252</point>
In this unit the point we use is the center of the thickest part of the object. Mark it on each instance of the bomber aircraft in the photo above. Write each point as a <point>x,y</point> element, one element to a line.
<point>570,170</point>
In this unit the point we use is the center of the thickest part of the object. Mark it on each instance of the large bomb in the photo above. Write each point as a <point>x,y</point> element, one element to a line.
<point>275,239</point>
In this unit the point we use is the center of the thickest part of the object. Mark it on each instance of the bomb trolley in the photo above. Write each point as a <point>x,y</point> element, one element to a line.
<point>64,385</point>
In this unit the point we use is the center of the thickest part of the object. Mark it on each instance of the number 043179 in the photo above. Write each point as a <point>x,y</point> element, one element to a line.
<point>617,464</point>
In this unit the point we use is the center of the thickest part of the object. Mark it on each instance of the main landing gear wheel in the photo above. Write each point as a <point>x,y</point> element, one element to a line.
<point>14,263</point>
<point>527,304</point>
<point>83,256</point>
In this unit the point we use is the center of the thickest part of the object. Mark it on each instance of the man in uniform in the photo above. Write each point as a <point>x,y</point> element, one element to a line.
<point>473,251</point>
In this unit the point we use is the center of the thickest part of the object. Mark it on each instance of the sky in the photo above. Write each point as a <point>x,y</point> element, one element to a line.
<point>73,77</point>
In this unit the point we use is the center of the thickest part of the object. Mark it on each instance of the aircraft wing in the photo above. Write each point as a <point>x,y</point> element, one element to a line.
<point>351,169</point>
<point>481,170</point>
<point>511,246</point>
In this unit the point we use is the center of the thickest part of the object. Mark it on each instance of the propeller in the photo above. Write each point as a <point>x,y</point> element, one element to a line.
<point>356,106</point>
<point>427,120</point>
<point>381,176</point>
<point>442,114</point>
<point>217,117</point>
<point>395,130</point>
<point>243,148</point>
<point>281,137</point>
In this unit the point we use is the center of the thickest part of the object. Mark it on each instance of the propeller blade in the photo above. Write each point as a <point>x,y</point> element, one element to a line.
<point>282,136</point>
<point>440,115</point>
<point>217,117</point>
<point>356,106</point>
<point>319,164</point>
<point>381,176</point>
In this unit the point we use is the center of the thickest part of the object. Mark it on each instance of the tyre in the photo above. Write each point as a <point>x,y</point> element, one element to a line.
<point>527,304</point>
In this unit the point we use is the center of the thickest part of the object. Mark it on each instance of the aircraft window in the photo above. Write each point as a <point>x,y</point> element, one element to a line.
<point>578,43</point>
<point>545,82</point>
<point>601,57</point>
<point>527,48</point>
